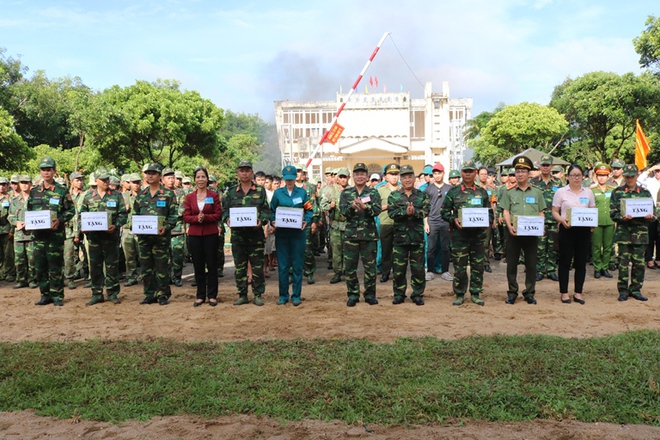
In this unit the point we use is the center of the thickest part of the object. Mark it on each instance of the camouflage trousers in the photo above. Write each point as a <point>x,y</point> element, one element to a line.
<point>71,252</point>
<point>104,254</point>
<point>154,251</point>
<point>221,252</point>
<point>337,246</point>
<point>353,252</point>
<point>129,245</point>
<point>309,266</point>
<point>468,249</point>
<point>24,261</point>
<point>402,256</point>
<point>631,280</point>
<point>177,244</point>
<point>48,265</point>
<point>245,249</point>
<point>7,268</point>
<point>547,250</point>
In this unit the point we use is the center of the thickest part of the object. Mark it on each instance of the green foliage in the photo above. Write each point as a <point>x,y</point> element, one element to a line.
<point>66,160</point>
<point>413,381</point>
<point>647,45</point>
<point>516,128</point>
<point>13,149</point>
<point>11,73</point>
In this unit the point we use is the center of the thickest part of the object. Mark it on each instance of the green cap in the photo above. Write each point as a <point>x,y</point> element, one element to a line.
<point>406,169</point>
<point>245,164</point>
<point>47,162</point>
<point>124,178</point>
<point>511,172</point>
<point>546,159</point>
<point>153,167</point>
<point>328,170</point>
<point>454,173</point>
<point>557,169</point>
<point>135,177</point>
<point>92,180</point>
<point>343,172</point>
<point>618,163</point>
<point>24,178</point>
<point>186,180</point>
<point>114,180</point>
<point>360,167</point>
<point>76,175</point>
<point>178,174</point>
<point>4,181</point>
<point>392,168</point>
<point>630,170</point>
<point>101,173</point>
<point>212,177</point>
<point>468,165</point>
<point>14,178</point>
<point>167,171</point>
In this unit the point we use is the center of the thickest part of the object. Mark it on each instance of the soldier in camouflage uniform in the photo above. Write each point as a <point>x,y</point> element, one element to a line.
<point>7,269</point>
<point>153,250</point>
<point>467,244</point>
<point>128,239</point>
<point>247,243</point>
<point>632,236</point>
<point>359,204</point>
<point>14,188</point>
<point>72,231</point>
<point>49,243</point>
<point>104,245</point>
<point>213,184</point>
<point>547,248</point>
<point>408,207</point>
<point>23,246</point>
<point>178,241</point>
<point>330,203</point>
<point>309,266</point>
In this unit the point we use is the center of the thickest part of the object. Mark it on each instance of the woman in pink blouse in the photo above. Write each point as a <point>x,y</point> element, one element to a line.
<point>574,241</point>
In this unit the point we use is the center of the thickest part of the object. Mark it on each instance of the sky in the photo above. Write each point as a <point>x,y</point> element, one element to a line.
<point>244,55</point>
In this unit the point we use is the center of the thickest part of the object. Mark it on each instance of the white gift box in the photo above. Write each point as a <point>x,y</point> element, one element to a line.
<point>637,207</point>
<point>474,217</point>
<point>529,225</point>
<point>582,217</point>
<point>146,224</point>
<point>243,217</point>
<point>95,221</point>
<point>291,218</point>
<point>38,220</point>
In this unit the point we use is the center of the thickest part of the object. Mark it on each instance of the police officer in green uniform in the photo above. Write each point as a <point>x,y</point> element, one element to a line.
<point>602,237</point>
<point>527,200</point>
<point>153,250</point>
<point>407,207</point>
<point>7,269</point>
<point>467,244</point>
<point>330,204</point>
<point>547,253</point>
<point>23,245</point>
<point>104,245</point>
<point>359,204</point>
<point>632,235</point>
<point>247,243</point>
<point>49,243</point>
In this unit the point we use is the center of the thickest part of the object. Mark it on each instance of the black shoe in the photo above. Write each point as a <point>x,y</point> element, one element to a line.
<point>597,274</point>
<point>335,279</point>
<point>178,283</point>
<point>149,300</point>
<point>384,278</point>
<point>639,297</point>
<point>317,254</point>
<point>487,268</point>
<point>372,301</point>
<point>553,276</point>
<point>539,276</point>
<point>130,282</point>
<point>398,300</point>
<point>351,302</point>
<point>58,302</point>
<point>623,297</point>
<point>221,274</point>
<point>213,302</point>
<point>329,266</point>
<point>612,267</point>
<point>498,257</point>
<point>578,300</point>
<point>510,300</point>
<point>310,279</point>
<point>162,300</point>
<point>20,285</point>
<point>530,300</point>
<point>606,273</point>
<point>44,301</point>
<point>193,283</point>
<point>419,301</point>
<point>198,303</point>
<point>566,301</point>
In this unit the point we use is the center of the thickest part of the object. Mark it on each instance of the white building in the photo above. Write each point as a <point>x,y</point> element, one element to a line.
<point>379,128</point>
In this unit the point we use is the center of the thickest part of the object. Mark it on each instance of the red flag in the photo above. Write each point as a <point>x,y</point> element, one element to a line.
<point>371,81</point>
<point>642,148</point>
<point>376,80</point>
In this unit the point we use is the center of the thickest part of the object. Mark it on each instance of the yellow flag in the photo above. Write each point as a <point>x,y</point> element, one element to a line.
<point>642,148</point>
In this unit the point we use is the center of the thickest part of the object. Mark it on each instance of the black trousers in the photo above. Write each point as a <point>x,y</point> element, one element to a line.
<point>529,246</point>
<point>204,253</point>
<point>574,244</point>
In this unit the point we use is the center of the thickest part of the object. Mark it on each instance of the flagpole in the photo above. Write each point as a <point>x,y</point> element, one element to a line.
<point>350,93</point>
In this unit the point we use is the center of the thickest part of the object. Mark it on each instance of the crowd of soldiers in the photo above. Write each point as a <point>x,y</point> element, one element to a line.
<point>392,221</point>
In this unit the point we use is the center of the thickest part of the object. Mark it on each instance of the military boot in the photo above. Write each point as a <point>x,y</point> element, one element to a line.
<point>95,300</point>
<point>243,299</point>
<point>258,301</point>
<point>478,301</point>
<point>459,300</point>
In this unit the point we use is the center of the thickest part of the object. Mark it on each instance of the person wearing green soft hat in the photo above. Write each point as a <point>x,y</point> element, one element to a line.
<point>178,236</point>
<point>128,239</point>
<point>454,177</point>
<point>72,242</point>
<point>23,245</point>
<point>7,269</point>
<point>337,223</point>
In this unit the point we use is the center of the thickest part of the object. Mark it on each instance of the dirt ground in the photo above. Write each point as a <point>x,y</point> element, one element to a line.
<point>323,314</point>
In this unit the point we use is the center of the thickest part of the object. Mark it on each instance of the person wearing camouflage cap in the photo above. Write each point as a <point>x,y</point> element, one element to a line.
<point>467,243</point>
<point>359,205</point>
<point>129,242</point>
<point>178,183</point>
<point>311,249</point>
<point>73,236</point>
<point>337,222</point>
<point>103,246</point>
<point>7,269</point>
<point>385,222</point>
<point>213,185</point>
<point>49,243</point>
<point>14,188</point>
<point>23,244</point>
<point>616,178</point>
<point>508,182</point>
<point>546,265</point>
<point>437,253</point>
<point>153,250</point>
<point>178,236</point>
<point>247,242</point>
<point>407,206</point>
<point>485,179</point>
<point>602,237</point>
<point>631,234</point>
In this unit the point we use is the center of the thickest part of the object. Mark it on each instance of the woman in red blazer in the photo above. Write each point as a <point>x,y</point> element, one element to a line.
<point>202,211</point>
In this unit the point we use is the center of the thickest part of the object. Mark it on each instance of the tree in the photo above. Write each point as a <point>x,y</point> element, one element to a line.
<point>13,149</point>
<point>11,73</point>
<point>153,122</point>
<point>601,108</point>
<point>647,45</point>
<point>516,128</point>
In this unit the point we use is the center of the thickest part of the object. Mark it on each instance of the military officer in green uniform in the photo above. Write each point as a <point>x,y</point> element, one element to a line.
<point>454,177</point>
<point>526,200</point>
<point>407,207</point>
<point>309,265</point>
<point>23,246</point>
<point>7,269</point>
<point>104,245</point>
<point>359,205</point>
<point>49,243</point>
<point>547,253</point>
<point>213,184</point>
<point>72,231</point>
<point>632,235</point>
<point>467,243</point>
<point>153,250</point>
<point>386,223</point>
<point>247,242</point>
<point>602,237</point>
<point>128,239</point>
<point>330,204</point>
<point>178,241</point>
